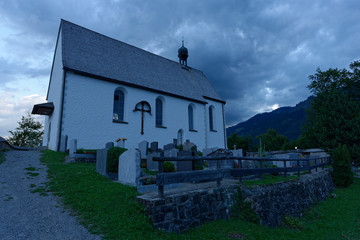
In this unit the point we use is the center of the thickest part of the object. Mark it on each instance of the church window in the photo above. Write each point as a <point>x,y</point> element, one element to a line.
<point>211,118</point>
<point>159,112</point>
<point>119,98</point>
<point>191,117</point>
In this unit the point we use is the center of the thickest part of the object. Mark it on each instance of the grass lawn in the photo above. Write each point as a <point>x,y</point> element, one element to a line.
<point>111,209</point>
<point>268,179</point>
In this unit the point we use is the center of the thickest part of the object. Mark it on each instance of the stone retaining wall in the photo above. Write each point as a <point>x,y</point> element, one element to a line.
<point>181,211</point>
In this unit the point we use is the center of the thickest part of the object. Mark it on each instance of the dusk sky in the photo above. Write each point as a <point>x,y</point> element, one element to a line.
<point>257,54</point>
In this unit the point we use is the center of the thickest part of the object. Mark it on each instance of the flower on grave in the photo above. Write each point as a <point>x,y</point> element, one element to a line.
<point>236,165</point>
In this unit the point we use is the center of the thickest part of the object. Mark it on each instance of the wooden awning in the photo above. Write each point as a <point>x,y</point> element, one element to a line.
<point>43,109</point>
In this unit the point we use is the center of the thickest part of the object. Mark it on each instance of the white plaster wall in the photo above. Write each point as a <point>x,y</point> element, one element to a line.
<point>54,95</point>
<point>88,112</point>
<point>215,138</point>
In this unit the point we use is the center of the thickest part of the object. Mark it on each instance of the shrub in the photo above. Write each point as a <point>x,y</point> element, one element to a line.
<point>342,174</point>
<point>242,209</point>
<point>169,167</point>
<point>112,162</point>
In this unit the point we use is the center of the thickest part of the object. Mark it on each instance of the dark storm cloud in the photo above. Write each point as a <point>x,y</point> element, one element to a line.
<point>256,53</point>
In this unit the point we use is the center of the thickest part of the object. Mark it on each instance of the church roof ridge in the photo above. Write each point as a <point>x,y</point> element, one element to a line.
<point>130,45</point>
<point>88,51</point>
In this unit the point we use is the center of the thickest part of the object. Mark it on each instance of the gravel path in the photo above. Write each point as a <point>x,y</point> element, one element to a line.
<point>27,215</point>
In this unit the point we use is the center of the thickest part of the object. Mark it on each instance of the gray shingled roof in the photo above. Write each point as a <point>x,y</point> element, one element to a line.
<point>91,53</point>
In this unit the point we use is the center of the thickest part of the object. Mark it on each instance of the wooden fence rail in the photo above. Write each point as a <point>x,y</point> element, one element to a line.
<point>218,174</point>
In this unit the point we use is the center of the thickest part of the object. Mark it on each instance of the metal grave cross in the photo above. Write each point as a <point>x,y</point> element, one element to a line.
<point>142,106</point>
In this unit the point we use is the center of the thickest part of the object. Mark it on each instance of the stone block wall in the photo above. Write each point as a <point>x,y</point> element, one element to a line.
<point>271,203</point>
<point>182,211</point>
<point>179,212</point>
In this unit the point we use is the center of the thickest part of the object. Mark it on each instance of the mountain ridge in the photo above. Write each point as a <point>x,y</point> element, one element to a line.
<point>286,121</point>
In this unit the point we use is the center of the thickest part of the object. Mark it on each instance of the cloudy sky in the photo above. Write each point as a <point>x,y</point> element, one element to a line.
<point>258,54</point>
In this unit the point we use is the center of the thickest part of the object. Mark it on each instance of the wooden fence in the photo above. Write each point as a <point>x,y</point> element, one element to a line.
<point>218,174</point>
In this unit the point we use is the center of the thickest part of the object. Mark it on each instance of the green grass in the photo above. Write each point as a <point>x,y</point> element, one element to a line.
<point>41,190</point>
<point>148,172</point>
<point>2,157</point>
<point>30,169</point>
<point>268,179</point>
<point>32,174</point>
<point>111,209</point>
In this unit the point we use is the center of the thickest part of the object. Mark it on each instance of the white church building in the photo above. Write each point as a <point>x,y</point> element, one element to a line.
<point>102,89</point>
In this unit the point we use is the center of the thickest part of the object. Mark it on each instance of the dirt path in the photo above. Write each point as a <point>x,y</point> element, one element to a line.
<point>27,215</point>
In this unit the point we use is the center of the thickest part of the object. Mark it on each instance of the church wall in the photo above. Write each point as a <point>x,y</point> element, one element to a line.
<point>54,95</point>
<point>215,138</point>
<point>88,116</point>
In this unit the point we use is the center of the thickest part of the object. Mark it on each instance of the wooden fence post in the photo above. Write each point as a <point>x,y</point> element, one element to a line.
<point>315,165</point>
<point>161,187</point>
<point>309,171</point>
<point>285,168</point>
<point>298,165</point>
<point>240,167</point>
<point>323,165</point>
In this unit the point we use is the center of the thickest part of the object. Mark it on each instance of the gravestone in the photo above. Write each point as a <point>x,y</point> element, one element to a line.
<point>152,165</point>
<point>175,141</point>
<point>109,145</point>
<point>207,151</point>
<point>169,146</point>
<point>63,143</point>
<point>212,164</point>
<point>129,167</point>
<point>184,165</point>
<point>73,146</point>
<point>101,157</point>
<point>143,148</point>
<point>154,146</point>
<point>237,153</point>
<point>189,146</point>
<point>171,153</point>
<point>295,155</point>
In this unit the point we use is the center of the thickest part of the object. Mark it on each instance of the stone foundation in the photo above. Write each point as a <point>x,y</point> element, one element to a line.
<point>180,211</point>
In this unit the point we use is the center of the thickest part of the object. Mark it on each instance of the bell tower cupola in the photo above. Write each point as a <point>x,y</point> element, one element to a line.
<point>183,54</point>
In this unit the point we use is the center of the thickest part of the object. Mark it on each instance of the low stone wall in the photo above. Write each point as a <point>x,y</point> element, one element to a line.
<point>181,211</point>
<point>271,203</point>
<point>186,209</point>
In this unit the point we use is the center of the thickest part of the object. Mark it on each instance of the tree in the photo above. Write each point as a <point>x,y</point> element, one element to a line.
<point>240,142</point>
<point>273,141</point>
<point>334,116</point>
<point>342,173</point>
<point>29,133</point>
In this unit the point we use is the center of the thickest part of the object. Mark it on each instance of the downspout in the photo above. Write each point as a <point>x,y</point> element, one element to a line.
<point>225,137</point>
<point>61,109</point>
<point>205,130</point>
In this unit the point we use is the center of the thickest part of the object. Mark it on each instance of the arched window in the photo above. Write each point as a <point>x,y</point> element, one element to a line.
<point>159,112</point>
<point>191,117</point>
<point>180,137</point>
<point>119,98</point>
<point>211,117</point>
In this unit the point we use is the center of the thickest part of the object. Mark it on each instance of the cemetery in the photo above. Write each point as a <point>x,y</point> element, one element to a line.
<point>182,187</point>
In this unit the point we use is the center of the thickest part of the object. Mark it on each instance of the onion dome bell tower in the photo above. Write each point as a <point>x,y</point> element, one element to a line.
<point>183,54</point>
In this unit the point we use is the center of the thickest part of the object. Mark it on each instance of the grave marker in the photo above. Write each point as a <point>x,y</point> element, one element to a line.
<point>101,157</point>
<point>143,148</point>
<point>129,167</point>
